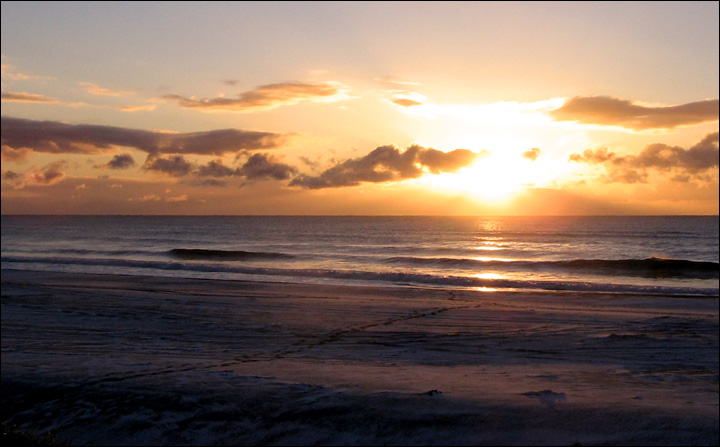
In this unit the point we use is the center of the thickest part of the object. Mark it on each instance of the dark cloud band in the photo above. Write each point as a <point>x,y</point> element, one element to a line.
<point>61,138</point>
<point>607,111</point>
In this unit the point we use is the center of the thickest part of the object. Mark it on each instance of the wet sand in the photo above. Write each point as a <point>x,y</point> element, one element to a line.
<point>129,360</point>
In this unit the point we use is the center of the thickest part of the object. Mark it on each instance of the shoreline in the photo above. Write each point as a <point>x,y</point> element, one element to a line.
<point>285,363</point>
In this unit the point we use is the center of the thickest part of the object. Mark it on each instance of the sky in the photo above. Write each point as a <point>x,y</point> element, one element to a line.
<point>360,108</point>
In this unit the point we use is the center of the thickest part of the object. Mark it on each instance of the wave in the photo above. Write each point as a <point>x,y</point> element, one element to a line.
<point>397,278</point>
<point>649,267</point>
<point>200,254</point>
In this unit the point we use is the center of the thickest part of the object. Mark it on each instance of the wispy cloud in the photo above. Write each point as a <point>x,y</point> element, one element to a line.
<point>392,80</point>
<point>180,198</point>
<point>27,97</point>
<point>40,99</point>
<point>57,137</point>
<point>406,102</point>
<point>266,97</point>
<point>146,108</point>
<point>687,163</point>
<point>97,90</point>
<point>387,164</point>
<point>8,72</point>
<point>146,198</point>
<point>608,111</point>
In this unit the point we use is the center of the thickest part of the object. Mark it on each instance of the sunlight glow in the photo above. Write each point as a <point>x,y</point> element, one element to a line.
<point>489,258</point>
<point>488,276</point>
<point>485,289</point>
<point>487,248</point>
<point>492,179</point>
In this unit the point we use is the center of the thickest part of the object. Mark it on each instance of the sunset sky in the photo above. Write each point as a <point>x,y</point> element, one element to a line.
<point>431,108</point>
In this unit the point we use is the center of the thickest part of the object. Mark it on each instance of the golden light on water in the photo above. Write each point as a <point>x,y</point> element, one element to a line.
<point>487,248</point>
<point>489,258</point>
<point>488,276</point>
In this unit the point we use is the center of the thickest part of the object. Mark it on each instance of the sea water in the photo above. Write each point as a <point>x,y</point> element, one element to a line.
<point>668,255</point>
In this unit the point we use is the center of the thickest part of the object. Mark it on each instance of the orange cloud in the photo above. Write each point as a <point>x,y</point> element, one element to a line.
<point>97,90</point>
<point>531,154</point>
<point>265,97</point>
<point>405,102</point>
<point>8,72</point>
<point>607,111</point>
<point>149,107</point>
<point>27,97</point>
<point>14,154</point>
<point>49,175</point>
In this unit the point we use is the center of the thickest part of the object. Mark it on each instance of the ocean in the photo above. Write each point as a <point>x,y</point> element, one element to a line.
<point>666,255</point>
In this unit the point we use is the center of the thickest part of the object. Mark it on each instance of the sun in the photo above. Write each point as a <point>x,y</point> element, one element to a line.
<point>496,178</point>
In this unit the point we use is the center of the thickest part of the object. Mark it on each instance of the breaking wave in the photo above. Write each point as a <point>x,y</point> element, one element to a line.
<point>649,268</point>
<point>201,254</point>
<point>373,277</point>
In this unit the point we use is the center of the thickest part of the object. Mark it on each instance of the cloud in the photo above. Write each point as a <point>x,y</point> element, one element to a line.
<point>698,158</point>
<point>599,155</point>
<point>49,175</point>
<point>405,102</point>
<point>149,107</point>
<point>12,154</point>
<point>175,165</point>
<point>387,163</point>
<point>121,161</point>
<point>97,90</point>
<point>11,175</point>
<point>216,168</point>
<point>180,198</point>
<point>209,182</point>
<point>27,97</point>
<point>146,198</point>
<point>660,157</point>
<point>56,137</point>
<point>532,154</point>
<point>257,167</point>
<point>392,80</point>
<point>607,111</point>
<point>265,97</point>
<point>8,72</point>
<point>41,99</point>
<point>262,166</point>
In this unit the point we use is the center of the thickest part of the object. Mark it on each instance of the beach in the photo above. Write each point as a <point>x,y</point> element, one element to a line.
<point>142,360</point>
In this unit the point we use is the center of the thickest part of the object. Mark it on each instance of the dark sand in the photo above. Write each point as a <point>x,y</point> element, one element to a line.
<point>123,360</point>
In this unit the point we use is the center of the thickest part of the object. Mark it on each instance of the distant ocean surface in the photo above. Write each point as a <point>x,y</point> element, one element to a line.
<point>665,255</point>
